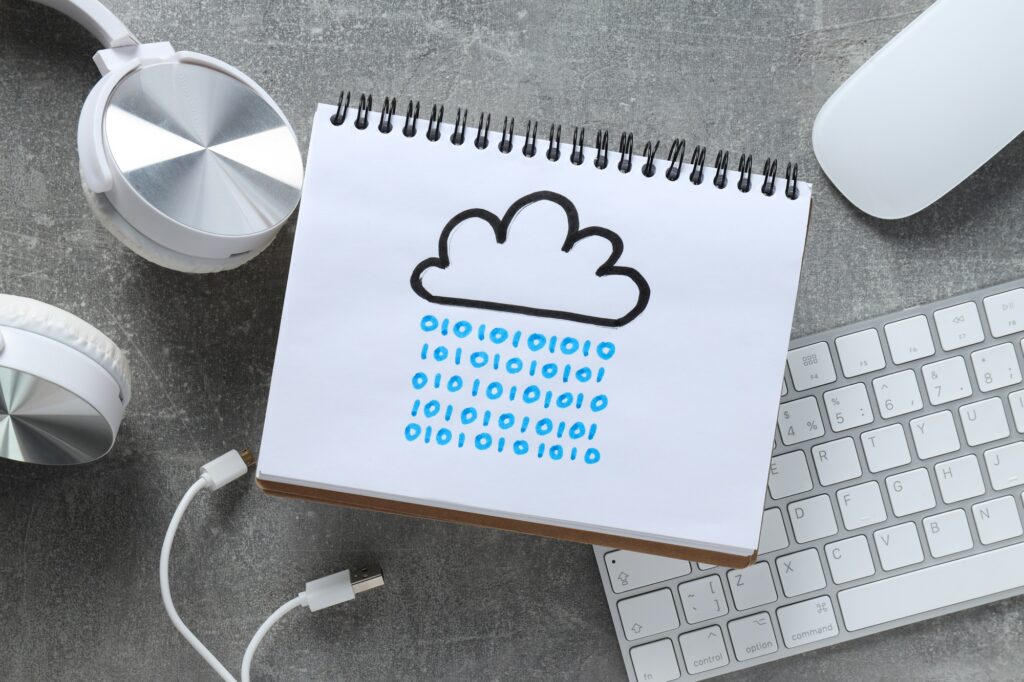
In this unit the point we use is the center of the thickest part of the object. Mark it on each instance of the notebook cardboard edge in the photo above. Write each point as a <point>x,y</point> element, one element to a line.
<point>298,492</point>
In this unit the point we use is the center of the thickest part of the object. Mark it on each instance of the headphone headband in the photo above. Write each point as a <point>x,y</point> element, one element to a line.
<point>97,19</point>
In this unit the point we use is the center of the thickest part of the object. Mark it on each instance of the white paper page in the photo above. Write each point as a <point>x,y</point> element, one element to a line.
<point>665,372</point>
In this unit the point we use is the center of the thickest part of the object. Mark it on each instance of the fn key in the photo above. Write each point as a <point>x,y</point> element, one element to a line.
<point>655,662</point>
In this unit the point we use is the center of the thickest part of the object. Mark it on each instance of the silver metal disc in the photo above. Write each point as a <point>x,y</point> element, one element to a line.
<point>42,423</point>
<point>204,149</point>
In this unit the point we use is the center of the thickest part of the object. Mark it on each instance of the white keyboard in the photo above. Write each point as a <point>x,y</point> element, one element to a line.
<point>894,495</point>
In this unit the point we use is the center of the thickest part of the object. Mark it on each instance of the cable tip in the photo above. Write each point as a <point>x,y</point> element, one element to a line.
<point>367,577</point>
<point>247,457</point>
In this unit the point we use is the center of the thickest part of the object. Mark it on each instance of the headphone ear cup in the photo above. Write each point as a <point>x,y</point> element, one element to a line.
<point>142,245</point>
<point>34,316</point>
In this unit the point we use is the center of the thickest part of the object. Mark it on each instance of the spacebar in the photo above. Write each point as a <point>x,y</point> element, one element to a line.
<point>934,587</point>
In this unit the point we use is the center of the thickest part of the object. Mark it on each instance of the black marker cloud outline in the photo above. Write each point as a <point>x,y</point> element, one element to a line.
<point>574,235</point>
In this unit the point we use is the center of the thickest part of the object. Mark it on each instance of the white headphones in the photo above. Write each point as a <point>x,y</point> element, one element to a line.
<point>63,385</point>
<point>191,165</point>
<point>183,158</point>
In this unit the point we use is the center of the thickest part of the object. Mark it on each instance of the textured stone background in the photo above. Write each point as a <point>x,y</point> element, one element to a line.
<point>78,547</point>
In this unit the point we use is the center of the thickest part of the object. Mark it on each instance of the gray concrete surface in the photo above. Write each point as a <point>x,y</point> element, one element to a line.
<point>78,547</point>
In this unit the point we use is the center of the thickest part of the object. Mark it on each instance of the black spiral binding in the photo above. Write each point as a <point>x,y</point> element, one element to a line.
<point>577,156</point>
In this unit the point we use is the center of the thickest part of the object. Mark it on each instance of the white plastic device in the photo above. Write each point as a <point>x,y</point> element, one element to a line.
<point>184,158</point>
<point>63,385</point>
<point>928,109</point>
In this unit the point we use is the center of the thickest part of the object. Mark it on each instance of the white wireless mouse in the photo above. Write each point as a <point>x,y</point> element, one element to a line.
<point>933,105</point>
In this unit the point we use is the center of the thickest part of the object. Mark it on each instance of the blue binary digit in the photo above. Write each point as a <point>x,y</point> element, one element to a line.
<point>468,415</point>
<point>495,390</point>
<point>483,441</point>
<point>499,335</point>
<point>536,341</point>
<point>444,436</point>
<point>569,345</point>
<point>412,432</point>
<point>605,350</point>
<point>599,402</point>
<point>441,353</point>
<point>478,359</point>
<point>428,323</point>
<point>592,456</point>
<point>419,380</point>
<point>544,426</point>
<point>555,452</point>
<point>462,329</point>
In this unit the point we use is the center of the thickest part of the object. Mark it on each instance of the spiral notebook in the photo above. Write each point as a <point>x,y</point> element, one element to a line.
<point>553,336</point>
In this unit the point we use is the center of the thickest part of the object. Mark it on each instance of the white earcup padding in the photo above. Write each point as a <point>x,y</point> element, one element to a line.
<point>46,320</point>
<point>153,252</point>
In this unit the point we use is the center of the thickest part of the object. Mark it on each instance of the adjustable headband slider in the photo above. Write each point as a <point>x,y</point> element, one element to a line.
<point>114,58</point>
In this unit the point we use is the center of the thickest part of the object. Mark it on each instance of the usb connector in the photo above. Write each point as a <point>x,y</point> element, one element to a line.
<point>367,578</point>
<point>341,587</point>
<point>230,466</point>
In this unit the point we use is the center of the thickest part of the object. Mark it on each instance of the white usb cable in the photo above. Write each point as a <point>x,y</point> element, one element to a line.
<point>319,594</point>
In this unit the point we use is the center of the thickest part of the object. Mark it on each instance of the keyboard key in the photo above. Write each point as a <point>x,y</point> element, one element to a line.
<point>703,599</point>
<point>836,461</point>
<point>773,532</point>
<point>1005,465</point>
<point>849,559</point>
<point>996,367</point>
<point>861,505</point>
<point>984,421</point>
<point>812,519</point>
<point>752,586</point>
<point>959,326</point>
<point>800,420</point>
<point>753,636</point>
<point>947,533</point>
<point>703,650</point>
<point>885,448</point>
<point>910,492</point>
<point>909,339</point>
<point>898,546</point>
<point>632,570</point>
<point>897,394</point>
<point>811,366</point>
<point>788,475</point>
<point>946,381</point>
<point>959,479</point>
<point>1017,408</point>
<point>934,435</point>
<point>848,407</point>
<point>997,520</point>
<point>808,621</point>
<point>934,587</point>
<point>860,353</point>
<point>648,614</point>
<point>655,662</point>
<point>1005,312</point>
<point>800,573</point>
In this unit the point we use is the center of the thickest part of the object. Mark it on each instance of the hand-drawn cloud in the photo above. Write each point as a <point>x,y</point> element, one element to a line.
<point>548,268</point>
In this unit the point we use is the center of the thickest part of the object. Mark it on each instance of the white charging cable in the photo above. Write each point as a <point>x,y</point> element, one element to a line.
<point>319,594</point>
